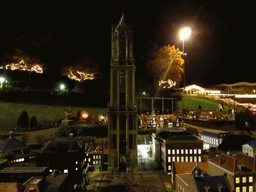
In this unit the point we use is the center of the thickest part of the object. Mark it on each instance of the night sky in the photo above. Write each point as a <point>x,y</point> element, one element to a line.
<point>220,49</point>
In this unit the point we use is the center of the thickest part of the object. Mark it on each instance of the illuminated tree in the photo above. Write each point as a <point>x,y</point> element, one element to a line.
<point>167,66</point>
<point>81,70</point>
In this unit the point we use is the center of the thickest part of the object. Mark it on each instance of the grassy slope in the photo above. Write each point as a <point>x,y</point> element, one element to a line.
<point>192,103</point>
<point>9,113</point>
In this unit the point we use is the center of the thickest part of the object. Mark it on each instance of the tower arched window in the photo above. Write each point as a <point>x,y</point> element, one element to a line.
<point>122,88</point>
<point>114,141</point>
<point>130,141</point>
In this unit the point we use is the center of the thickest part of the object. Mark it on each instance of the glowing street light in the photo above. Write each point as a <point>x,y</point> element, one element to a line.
<point>185,33</point>
<point>62,87</point>
<point>1,81</point>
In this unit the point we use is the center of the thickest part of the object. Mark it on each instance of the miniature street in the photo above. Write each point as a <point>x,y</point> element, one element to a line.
<point>148,179</point>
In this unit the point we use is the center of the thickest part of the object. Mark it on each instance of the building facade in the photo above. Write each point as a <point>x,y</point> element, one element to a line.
<point>122,129</point>
<point>176,146</point>
<point>249,148</point>
<point>212,138</point>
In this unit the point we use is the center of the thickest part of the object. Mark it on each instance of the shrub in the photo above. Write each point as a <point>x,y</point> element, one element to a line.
<point>23,120</point>
<point>33,123</point>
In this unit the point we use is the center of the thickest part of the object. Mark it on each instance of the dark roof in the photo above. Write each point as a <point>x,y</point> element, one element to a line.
<point>11,144</point>
<point>214,134</point>
<point>252,143</point>
<point>23,170</point>
<point>56,183</point>
<point>213,183</point>
<point>172,135</point>
<point>61,146</point>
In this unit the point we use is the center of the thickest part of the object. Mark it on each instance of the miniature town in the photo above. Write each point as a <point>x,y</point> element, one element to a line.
<point>137,147</point>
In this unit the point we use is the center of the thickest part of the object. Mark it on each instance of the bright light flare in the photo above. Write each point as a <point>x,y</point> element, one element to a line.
<point>2,80</point>
<point>24,67</point>
<point>185,33</point>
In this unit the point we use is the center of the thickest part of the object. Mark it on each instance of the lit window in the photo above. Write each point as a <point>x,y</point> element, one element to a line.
<point>244,179</point>
<point>195,159</point>
<point>178,159</point>
<point>169,159</point>
<point>250,188</point>
<point>190,151</point>
<point>195,151</point>
<point>191,159</point>
<point>237,189</point>
<point>244,189</point>
<point>250,179</point>
<point>85,159</point>
<point>99,156</point>
<point>99,162</point>
<point>199,159</point>
<point>93,162</point>
<point>93,156</point>
<point>182,151</point>
<point>199,151</point>
<point>169,151</point>
<point>89,159</point>
<point>182,159</point>
<point>173,159</point>
<point>76,168</point>
<point>65,171</point>
<point>186,158</point>
<point>87,154</point>
<point>173,151</point>
<point>178,151</point>
<point>76,162</point>
<point>169,167</point>
<point>186,151</point>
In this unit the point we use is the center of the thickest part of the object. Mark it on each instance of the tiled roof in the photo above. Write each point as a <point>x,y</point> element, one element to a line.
<point>173,135</point>
<point>12,187</point>
<point>238,163</point>
<point>11,144</point>
<point>187,167</point>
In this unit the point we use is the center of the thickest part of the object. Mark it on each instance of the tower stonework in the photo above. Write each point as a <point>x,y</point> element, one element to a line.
<point>122,129</point>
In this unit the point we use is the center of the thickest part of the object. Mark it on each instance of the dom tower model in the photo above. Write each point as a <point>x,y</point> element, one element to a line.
<point>122,129</point>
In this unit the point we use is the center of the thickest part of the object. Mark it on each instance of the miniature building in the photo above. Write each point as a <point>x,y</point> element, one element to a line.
<point>176,146</point>
<point>93,159</point>
<point>249,148</point>
<point>122,129</point>
<point>212,138</point>
<point>62,156</point>
<point>239,170</point>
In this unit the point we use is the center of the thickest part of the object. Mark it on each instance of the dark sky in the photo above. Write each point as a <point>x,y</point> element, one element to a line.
<point>219,50</point>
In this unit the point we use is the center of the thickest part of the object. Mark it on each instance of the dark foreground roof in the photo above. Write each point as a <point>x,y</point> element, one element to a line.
<point>213,183</point>
<point>61,146</point>
<point>11,144</point>
<point>173,135</point>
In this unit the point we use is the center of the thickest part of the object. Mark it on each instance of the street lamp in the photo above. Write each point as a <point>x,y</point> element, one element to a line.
<point>1,81</point>
<point>62,87</point>
<point>184,34</point>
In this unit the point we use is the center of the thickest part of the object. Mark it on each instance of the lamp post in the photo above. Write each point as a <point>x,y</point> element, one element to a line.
<point>184,34</point>
<point>1,81</point>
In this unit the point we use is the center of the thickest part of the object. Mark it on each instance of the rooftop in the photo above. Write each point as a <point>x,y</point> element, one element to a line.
<point>237,163</point>
<point>175,135</point>
<point>11,144</point>
<point>61,146</point>
<point>23,169</point>
<point>188,167</point>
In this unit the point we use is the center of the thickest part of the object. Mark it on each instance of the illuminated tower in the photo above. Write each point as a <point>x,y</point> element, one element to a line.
<point>122,129</point>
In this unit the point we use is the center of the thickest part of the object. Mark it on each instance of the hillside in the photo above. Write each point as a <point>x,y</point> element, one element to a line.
<point>45,114</point>
<point>192,103</point>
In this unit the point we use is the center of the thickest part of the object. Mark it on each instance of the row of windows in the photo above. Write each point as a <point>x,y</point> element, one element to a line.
<point>244,179</point>
<point>184,159</point>
<point>244,189</point>
<point>182,151</point>
<point>210,140</point>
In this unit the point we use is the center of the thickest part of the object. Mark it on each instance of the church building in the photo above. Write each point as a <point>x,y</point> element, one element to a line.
<point>122,129</point>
